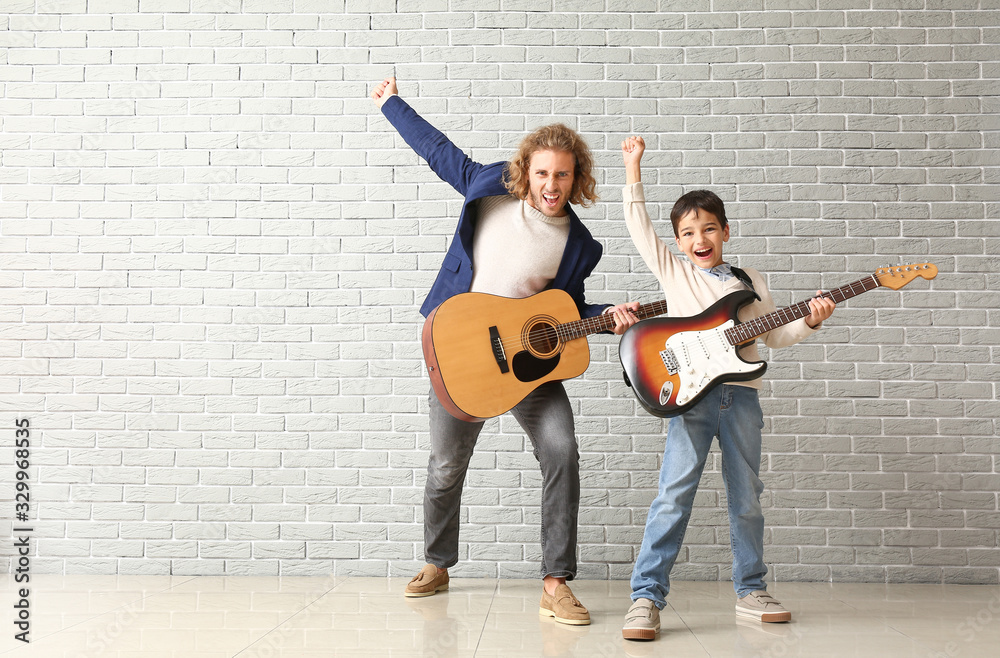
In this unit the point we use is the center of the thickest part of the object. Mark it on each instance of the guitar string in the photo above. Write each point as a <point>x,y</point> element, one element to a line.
<point>558,332</point>
<point>742,330</point>
<point>561,332</point>
<point>586,326</point>
<point>748,330</point>
<point>786,315</point>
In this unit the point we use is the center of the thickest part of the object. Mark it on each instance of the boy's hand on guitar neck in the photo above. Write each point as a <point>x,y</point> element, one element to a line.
<point>624,315</point>
<point>821,309</point>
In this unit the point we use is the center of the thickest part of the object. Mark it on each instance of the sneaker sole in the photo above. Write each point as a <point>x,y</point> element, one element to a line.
<point>545,612</point>
<point>430,592</point>
<point>767,617</point>
<point>640,633</point>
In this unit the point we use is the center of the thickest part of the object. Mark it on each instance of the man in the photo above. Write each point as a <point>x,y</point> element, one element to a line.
<point>517,235</point>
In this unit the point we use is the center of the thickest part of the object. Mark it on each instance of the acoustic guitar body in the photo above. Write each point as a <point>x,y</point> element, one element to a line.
<point>486,353</point>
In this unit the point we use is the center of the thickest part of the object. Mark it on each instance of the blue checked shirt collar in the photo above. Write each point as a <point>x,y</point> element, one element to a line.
<point>721,272</point>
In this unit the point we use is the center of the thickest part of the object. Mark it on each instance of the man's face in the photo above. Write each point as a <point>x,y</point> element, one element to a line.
<point>700,236</point>
<point>550,181</point>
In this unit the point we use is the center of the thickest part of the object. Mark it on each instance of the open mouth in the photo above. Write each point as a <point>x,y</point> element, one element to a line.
<point>703,253</point>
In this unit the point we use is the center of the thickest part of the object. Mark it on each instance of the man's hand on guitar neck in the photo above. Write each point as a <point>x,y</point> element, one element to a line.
<point>624,315</point>
<point>821,308</point>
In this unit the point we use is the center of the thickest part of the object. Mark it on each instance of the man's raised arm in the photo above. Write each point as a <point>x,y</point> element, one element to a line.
<point>448,161</point>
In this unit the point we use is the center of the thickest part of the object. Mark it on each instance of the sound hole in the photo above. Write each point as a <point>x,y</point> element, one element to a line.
<point>540,337</point>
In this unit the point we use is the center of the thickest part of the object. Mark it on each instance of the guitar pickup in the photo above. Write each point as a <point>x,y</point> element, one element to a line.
<point>670,361</point>
<point>498,352</point>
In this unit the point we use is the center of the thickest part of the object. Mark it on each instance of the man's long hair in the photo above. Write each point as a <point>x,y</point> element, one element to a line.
<point>555,137</point>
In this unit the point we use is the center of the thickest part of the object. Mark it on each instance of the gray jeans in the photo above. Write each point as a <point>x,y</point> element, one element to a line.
<point>547,418</point>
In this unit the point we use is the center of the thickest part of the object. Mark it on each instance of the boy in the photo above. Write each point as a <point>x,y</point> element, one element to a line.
<point>730,411</point>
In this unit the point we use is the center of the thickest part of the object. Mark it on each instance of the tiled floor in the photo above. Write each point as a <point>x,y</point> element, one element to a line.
<point>201,617</point>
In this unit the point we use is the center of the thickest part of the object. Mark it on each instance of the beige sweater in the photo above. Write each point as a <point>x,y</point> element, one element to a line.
<point>690,291</point>
<point>516,250</point>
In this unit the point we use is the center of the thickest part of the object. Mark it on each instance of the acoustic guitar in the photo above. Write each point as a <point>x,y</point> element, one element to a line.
<point>671,363</point>
<point>485,353</point>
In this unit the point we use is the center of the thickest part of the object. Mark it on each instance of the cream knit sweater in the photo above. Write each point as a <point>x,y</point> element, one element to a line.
<point>516,250</point>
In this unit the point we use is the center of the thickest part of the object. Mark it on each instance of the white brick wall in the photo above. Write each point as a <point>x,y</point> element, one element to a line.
<point>212,251</point>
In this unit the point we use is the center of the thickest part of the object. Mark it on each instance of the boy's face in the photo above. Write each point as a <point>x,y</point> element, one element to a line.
<point>550,181</point>
<point>700,236</point>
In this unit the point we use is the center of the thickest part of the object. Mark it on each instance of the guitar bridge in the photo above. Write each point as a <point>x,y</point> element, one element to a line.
<point>670,361</point>
<point>498,352</point>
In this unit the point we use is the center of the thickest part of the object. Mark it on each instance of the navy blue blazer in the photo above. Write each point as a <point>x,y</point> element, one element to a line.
<point>475,181</point>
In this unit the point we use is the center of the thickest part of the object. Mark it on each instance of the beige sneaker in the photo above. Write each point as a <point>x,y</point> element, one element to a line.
<point>428,582</point>
<point>642,621</point>
<point>564,607</point>
<point>761,605</point>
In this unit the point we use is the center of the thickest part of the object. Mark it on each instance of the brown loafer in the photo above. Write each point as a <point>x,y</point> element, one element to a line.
<point>428,582</point>
<point>564,607</point>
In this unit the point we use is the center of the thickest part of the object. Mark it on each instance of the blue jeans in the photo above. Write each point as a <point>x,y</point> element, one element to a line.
<point>547,418</point>
<point>733,414</point>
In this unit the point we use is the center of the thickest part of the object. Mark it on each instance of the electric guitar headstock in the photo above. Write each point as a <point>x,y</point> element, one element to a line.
<point>897,276</point>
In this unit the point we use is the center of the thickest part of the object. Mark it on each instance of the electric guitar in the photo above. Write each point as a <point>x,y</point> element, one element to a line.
<point>671,363</point>
<point>485,353</point>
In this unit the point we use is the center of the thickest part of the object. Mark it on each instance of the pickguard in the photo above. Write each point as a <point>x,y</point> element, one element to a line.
<point>528,368</point>
<point>702,357</point>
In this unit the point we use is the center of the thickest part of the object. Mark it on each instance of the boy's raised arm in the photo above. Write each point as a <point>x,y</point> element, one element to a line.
<point>632,149</point>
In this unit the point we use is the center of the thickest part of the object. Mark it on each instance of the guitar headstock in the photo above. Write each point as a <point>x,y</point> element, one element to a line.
<point>897,276</point>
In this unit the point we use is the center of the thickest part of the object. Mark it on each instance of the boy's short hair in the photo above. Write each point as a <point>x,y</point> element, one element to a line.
<point>705,200</point>
<point>555,137</point>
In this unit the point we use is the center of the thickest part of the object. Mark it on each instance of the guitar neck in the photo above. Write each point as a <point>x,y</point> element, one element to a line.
<point>747,331</point>
<point>605,321</point>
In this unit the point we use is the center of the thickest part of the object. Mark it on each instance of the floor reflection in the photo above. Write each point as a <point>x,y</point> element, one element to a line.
<point>302,617</point>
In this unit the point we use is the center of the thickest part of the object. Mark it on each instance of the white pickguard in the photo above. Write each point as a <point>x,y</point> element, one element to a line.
<point>702,357</point>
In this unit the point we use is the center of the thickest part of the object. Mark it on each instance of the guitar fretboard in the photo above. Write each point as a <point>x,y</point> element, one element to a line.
<point>747,331</point>
<point>605,322</point>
